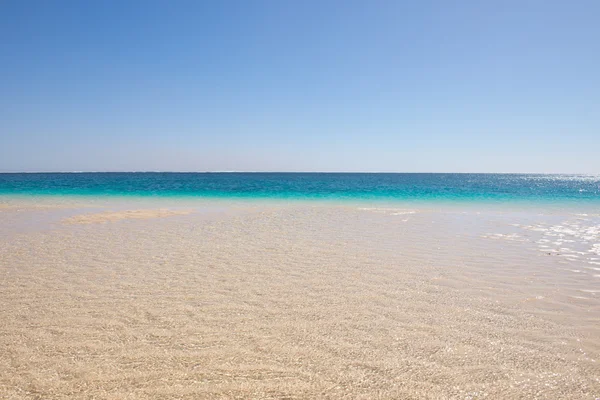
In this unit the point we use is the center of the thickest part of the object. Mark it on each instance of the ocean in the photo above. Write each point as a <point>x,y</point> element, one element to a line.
<point>299,285</point>
<point>424,187</point>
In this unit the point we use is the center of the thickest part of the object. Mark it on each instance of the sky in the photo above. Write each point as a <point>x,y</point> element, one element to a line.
<point>395,86</point>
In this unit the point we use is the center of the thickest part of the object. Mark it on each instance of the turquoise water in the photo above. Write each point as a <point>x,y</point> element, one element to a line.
<point>323,186</point>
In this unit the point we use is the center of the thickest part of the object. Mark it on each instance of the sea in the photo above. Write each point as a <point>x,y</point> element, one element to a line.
<point>299,285</point>
<point>574,190</point>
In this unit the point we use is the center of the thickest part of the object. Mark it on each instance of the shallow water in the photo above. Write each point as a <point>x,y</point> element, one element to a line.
<point>298,300</point>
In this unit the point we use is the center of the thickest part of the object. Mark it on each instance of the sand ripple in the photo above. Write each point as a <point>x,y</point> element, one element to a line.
<point>296,302</point>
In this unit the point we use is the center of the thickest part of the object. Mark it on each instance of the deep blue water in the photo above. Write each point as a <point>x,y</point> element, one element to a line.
<point>335,186</point>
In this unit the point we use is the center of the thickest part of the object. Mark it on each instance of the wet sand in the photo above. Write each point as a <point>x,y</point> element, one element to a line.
<point>301,301</point>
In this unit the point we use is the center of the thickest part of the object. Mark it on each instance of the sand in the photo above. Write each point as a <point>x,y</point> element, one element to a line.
<point>300,301</point>
<point>112,216</point>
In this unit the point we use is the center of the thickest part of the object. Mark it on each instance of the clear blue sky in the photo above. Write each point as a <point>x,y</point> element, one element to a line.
<point>457,86</point>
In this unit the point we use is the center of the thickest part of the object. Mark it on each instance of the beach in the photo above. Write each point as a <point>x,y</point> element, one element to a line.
<point>273,299</point>
<point>298,200</point>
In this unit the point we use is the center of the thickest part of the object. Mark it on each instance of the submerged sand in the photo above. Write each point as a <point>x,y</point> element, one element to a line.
<point>301,301</point>
<point>113,216</point>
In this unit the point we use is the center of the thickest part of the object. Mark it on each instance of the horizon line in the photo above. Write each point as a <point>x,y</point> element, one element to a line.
<point>291,172</point>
